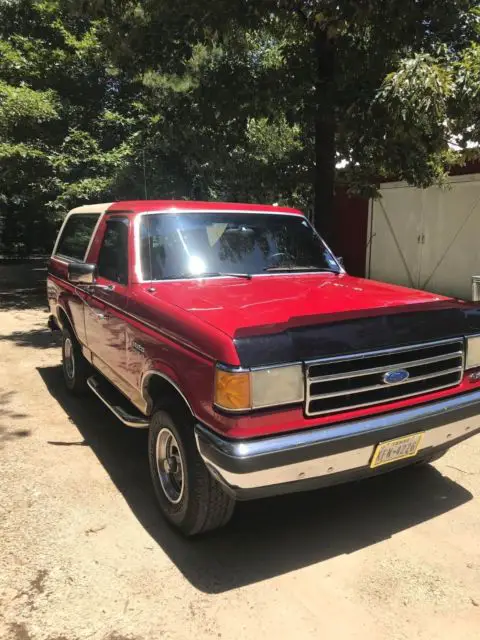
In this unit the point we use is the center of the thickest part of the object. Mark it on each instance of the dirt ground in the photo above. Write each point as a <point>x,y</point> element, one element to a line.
<point>84,553</point>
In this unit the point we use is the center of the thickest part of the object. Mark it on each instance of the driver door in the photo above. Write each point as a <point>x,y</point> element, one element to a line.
<point>105,322</point>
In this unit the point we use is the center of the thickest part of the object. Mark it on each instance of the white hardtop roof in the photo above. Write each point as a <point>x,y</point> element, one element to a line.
<point>92,208</point>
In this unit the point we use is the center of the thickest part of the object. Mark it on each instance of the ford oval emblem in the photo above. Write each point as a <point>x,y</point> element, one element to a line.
<point>396,377</point>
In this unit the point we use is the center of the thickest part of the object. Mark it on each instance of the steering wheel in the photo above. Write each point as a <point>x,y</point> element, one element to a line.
<point>280,254</point>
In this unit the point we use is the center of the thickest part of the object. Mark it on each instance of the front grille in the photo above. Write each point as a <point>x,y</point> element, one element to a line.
<point>348,382</point>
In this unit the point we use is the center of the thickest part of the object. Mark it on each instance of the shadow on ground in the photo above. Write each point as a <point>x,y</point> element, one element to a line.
<point>22,285</point>
<point>8,416</point>
<point>28,298</point>
<point>267,537</point>
<point>37,338</point>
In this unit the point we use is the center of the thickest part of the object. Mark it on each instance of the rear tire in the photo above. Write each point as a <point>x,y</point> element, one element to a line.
<point>75,367</point>
<point>187,494</point>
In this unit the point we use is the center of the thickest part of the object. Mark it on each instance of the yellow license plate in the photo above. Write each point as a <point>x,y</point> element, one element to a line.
<point>397,449</point>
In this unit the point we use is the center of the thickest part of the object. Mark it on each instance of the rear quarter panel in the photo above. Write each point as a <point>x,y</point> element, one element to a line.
<point>63,295</point>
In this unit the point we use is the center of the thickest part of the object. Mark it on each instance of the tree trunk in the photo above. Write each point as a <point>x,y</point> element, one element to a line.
<point>325,160</point>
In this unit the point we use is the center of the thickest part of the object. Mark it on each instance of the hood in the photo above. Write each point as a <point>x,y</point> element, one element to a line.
<point>268,304</point>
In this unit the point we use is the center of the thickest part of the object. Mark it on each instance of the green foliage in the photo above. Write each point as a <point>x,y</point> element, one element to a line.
<point>224,100</point>
<point>22,105</point>
<point>60,143</point>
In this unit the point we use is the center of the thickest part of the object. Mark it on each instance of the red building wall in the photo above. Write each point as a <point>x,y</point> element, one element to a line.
<point>349,233</point>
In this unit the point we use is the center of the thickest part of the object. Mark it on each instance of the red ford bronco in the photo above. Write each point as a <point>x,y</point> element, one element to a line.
<point>258,365</point>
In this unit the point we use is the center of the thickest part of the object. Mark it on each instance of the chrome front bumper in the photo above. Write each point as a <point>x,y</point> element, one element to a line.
<point>331,455</point>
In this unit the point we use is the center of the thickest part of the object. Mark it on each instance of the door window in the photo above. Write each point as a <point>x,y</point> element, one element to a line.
<point>113,257</point>
<point>76,236</point>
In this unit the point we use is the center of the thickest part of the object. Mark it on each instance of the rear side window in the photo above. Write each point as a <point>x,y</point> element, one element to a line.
<point>113,257</point>
<point>76,235</point>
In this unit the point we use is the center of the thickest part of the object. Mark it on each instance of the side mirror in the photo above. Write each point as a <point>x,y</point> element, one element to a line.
<point>81,272</point>
<point>340,261</point>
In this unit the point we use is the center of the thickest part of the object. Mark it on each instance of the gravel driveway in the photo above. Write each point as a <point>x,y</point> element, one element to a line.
<point>84,553</point>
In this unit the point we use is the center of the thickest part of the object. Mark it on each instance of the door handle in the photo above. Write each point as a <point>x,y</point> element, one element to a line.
<point>91,288</point>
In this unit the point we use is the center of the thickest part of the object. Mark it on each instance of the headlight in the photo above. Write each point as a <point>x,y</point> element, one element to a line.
<point>278,385</point>
<point>473,352</point>
<point>269,387</point>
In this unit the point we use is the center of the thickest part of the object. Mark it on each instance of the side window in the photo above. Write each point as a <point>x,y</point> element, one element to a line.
<point>113,256</point>
<point>76,235</point>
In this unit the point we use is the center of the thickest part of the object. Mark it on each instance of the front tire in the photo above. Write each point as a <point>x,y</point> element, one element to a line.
<point>188,496</point>
<point>74,365</point>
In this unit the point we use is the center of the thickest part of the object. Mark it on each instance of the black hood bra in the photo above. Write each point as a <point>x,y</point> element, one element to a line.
<point>345,333</point>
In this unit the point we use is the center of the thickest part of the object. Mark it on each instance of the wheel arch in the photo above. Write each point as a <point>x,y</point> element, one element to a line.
<point>64,319</point>
<point>157,385</point>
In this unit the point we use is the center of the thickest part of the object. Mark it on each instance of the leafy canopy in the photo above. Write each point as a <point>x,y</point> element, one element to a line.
<point>231,99</point>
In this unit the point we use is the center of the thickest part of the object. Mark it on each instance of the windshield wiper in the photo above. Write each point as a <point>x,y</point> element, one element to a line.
<point>209,274</point>
<point>302,268</point>
<point>247,276</point>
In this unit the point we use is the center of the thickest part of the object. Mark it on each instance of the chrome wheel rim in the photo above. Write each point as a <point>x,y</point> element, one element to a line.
<point>69,359</point>
<point>170,466</point>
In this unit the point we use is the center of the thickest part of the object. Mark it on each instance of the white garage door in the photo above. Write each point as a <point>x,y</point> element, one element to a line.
<point>427,238</point>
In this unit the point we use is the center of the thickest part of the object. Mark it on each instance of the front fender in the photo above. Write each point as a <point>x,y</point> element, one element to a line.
<point>190,375</point>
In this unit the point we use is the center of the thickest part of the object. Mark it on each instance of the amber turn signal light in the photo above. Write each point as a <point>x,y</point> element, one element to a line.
<point>232,390</point>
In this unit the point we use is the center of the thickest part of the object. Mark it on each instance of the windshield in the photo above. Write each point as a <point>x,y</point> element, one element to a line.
<point>192,245</point>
